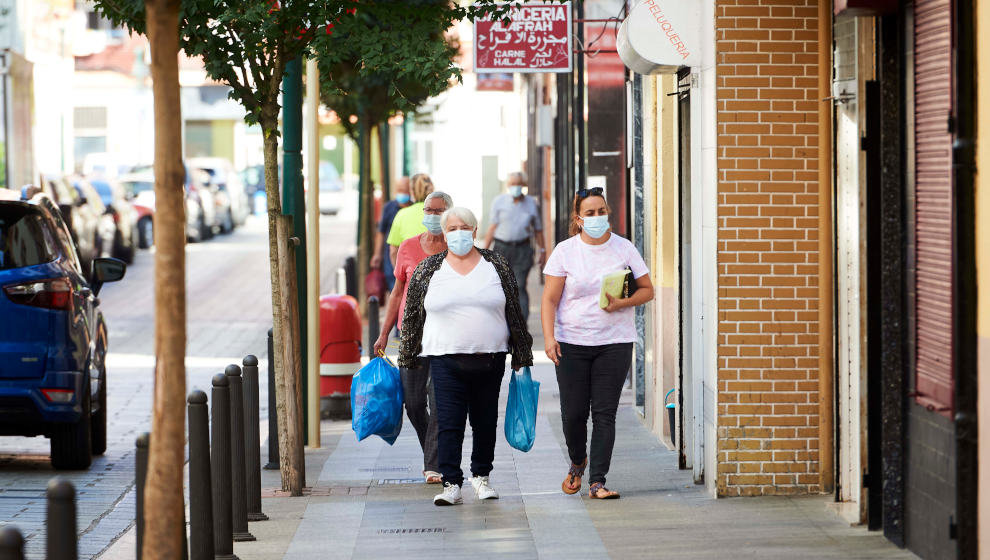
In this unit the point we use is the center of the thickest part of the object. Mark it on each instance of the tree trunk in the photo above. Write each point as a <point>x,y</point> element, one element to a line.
<point>366,219</point>
<point>288,387</point>
<point>164,507</point>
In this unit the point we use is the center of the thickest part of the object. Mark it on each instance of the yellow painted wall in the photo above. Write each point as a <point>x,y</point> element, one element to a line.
<point>983,268</point>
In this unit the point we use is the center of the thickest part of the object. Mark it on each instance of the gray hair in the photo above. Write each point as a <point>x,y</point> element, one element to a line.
<point>447,201</point>
<point>461,212</point>
<point>520,175</point>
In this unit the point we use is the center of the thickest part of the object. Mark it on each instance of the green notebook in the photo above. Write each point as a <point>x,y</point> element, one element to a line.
<point>614,284</point>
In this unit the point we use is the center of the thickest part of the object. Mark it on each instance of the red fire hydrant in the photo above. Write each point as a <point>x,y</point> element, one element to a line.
<point>340,353</point>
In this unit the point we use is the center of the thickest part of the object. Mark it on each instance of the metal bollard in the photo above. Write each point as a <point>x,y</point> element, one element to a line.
<point>200,487</point>
<point>341,281</point>
<point>61,524</point>
<point>350,271</point>
<point>11,544</point>
<point>273,459</point>
<point>252,440</point>
<point>140,476</point>
<point>223,537</point>
<point>373,325</point>
<point>238,500</point>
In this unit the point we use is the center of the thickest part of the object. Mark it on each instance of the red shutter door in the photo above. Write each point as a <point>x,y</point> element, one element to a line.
<point>935,274</point>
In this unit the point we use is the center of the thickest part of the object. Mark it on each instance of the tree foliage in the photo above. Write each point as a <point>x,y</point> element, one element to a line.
<point>246,43</point>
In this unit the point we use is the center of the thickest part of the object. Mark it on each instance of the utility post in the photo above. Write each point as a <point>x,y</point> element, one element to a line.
<point>292,200</point>
<point>407,155</point>
<point>313,253</point>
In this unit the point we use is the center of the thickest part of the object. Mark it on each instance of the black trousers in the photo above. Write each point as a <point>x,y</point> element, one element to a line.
<point>590,379</point>
<point>520,259</point>
<point>466,386</point>
<point>417,392</point>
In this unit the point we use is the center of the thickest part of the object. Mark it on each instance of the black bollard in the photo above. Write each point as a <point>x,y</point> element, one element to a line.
<point>238,486</point>
<point>350,275</point>
<point>200,487</point>
<point>11,544</point>
<point>373,325</point>
<point>61,525</point>
<point>272,464</point>
<point>252,440</point>
<point>140,476</point>
<point>223,538</point>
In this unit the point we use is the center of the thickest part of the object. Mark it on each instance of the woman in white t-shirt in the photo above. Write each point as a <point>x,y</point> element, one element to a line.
<point>462,311</point>
<point>591,346</point>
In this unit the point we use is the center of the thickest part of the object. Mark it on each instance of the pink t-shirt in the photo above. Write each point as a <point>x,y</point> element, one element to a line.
<point>579,318</point>
<point>410,254</point>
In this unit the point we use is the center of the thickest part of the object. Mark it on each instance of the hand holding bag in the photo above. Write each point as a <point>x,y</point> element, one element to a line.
<point>520,410</point>
<point>376,401</point>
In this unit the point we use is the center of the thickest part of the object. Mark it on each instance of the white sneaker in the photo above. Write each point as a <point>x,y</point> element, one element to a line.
<point>451,495</point>
<point>482,489</point>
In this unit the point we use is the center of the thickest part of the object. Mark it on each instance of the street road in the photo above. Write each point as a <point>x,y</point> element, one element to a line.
<point>229,314</point>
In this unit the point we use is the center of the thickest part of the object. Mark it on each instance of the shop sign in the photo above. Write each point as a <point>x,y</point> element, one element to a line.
<point>660,36</point>
<point>536,38</point>
<point>495,82</point>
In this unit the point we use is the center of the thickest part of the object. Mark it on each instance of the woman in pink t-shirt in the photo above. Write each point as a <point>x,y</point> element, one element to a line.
<point>416,386</point>
<point>591,346</point>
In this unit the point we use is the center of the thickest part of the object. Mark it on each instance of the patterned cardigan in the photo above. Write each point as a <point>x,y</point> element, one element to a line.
<point>520,341</point>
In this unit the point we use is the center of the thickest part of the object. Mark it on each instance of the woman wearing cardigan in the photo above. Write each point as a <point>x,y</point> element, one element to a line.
<point>462,313</point>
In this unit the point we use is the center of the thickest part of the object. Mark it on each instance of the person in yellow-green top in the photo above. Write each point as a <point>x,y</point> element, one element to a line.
<point>408,222</point>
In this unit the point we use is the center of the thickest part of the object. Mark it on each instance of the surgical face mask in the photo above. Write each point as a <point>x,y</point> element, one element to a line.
<point>515,191</point>
<point>402,198</point>
<point>432,224</point>
<point>595,226</point>
<point>460,241</point>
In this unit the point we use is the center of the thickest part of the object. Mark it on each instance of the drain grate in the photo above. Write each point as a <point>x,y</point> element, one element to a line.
<point>410,531</point>
<point>383,481</point>
<point>385,469</point>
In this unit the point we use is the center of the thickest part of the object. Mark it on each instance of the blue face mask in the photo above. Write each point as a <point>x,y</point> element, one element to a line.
<point>432,224</point>
<point>402,198</point>
<point>460,241</point>
<point>595,226</point>
<point>515,191</point>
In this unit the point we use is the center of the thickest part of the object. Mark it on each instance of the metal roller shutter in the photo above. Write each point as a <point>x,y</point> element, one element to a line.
<point>935,274</point>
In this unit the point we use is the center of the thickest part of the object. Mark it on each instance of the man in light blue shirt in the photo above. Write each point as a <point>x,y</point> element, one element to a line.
<point>515,221</point>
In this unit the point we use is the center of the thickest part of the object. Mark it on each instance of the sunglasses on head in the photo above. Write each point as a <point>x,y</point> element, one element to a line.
<point>595,191</point>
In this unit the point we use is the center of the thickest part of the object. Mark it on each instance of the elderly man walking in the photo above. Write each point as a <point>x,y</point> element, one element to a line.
<point>515,219</point>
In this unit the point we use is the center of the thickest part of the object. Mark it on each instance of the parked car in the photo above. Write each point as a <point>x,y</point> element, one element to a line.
<point>105,226</point>
<point>78,214</point>
<point>227,182</point>
<point>125,218</point>
<point>140,184</point>
<point>53,339</point>
<point>334,197</point>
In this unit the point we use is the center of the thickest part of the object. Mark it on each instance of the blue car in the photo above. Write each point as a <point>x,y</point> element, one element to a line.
<point>53,340</point>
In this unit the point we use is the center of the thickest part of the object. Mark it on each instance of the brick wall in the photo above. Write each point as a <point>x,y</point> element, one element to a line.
<point>766,56</point>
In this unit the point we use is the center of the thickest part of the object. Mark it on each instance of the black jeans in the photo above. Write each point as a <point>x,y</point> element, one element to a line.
<point>591,378</point>
<point>466,386</point>
<point>520,259</point>
<point>421,405</point>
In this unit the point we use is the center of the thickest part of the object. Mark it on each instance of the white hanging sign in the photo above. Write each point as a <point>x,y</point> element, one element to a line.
<point>660,36</point>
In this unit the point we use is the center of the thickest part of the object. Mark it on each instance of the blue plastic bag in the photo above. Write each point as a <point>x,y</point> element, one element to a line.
<point>376,401</point>
<point>520,411</point>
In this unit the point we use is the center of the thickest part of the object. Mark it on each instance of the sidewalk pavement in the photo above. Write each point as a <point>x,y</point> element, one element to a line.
<point>368,500</point>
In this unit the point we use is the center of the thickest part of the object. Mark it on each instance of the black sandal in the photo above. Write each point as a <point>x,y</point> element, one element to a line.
<point>599,492</point>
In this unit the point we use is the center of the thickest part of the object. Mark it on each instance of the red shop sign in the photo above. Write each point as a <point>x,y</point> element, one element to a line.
<point>537,38</point>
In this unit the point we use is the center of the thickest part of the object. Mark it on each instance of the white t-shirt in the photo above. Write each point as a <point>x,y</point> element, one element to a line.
<point>465,314</point>
<point>579,319</point>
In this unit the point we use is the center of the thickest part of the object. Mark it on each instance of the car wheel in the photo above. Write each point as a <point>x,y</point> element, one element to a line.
<point>99,421</point>
<point>146,232</point>
<point>71,444</point>
<point>204,230</point>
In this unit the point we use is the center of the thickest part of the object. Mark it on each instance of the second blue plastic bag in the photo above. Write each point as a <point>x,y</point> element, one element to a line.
<point>520,411</point>
<point>376,401</point>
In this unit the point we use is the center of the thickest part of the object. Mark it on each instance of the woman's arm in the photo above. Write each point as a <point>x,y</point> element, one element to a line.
<point>644,293</point>
<point>553,287</point>
<point>391,315</point>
